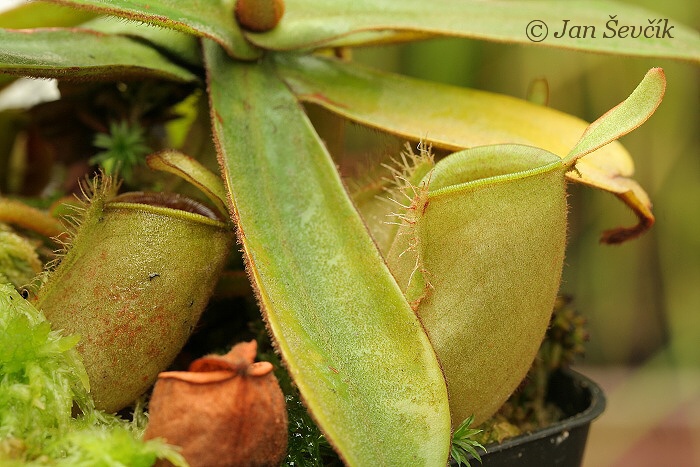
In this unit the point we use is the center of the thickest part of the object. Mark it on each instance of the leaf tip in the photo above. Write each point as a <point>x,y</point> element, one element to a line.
<point>622,234</point>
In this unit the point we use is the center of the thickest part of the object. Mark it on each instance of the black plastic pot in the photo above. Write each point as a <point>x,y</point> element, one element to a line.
<point>561,444</point>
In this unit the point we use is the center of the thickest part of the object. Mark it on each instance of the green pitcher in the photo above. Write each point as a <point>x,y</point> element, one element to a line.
<point>139,271</point>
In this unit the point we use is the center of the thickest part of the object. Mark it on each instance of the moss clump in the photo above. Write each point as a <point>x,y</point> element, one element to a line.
<point>42,383</point>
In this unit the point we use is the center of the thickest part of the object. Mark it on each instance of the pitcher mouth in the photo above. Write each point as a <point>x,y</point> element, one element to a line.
<point>166,200</point>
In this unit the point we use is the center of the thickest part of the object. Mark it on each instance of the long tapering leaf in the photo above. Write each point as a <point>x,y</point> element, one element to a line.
<point>213,19</point>
<point>359,356</point>
<point>40,15</point>
<point>178,46</point>
<point>449,117</point>
<point>81,54</point>
<point>317,23</point>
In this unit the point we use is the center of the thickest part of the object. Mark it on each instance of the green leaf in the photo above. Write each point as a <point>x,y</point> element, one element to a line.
<point>195,173</point>
<point>178,46</point>
<point>624,117</point>
<point>213,19</point>
<point>449,117</point>
<point>319,23</point>
<point>595,171</point>
<point>354,348</point>
<point>80,54</point>
<point>455,118</point>
<point>463,444</point>
<point>38,14</point>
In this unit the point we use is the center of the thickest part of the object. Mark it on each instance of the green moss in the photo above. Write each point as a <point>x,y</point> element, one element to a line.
<point>100,440</point>
<point>42,383</point>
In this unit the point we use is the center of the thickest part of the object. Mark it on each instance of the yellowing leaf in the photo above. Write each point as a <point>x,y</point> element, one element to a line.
<point>455,118</point>
<point>449,117</point>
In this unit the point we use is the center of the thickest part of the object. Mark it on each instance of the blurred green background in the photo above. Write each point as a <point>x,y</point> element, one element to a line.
<point>642,298</point>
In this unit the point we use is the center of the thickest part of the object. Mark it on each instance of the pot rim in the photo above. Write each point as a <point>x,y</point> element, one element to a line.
<point>594,410</point>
